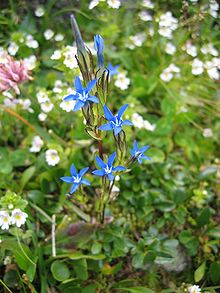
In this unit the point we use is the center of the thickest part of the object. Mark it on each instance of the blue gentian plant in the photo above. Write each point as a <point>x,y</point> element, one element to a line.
<point>91,97</point>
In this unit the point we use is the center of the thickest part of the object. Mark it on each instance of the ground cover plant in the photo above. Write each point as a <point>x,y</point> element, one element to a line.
<point>109,146</point>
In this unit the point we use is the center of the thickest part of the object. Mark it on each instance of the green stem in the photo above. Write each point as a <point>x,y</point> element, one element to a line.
<point>41,212</point>
<point>6,287</point>
<point>19,244</point>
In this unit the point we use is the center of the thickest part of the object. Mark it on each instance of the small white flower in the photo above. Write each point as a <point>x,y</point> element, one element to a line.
<point>48,34</point>
<point>70,60</point>
<point>117,178</point>
<point>42,117</point>
<point>52,157</point>
<point>30,62</point>
<point>58,86</point>
<point>59,37</point>
<point>190,49</point>
<point>212,68</point>
<point>7,260</point>
<point>3,56</point>
<point>39,11</point>
<point>167,24</point>
<point>170,48</point>
<point>148,4</point>
<point>148,126</point>
<point>137,120</point>
<point>67,105</point>
<point>31,42</point>
<point>213,8</point>
<point>93,4</point>
<point>42,96</point>
<point>37,144</point>
<point>209,49</point>
<point>197,67</point>
<point>138,39</point>
<point>207,132</point>
<point>5,220</point>
<point>26,103</point>
<point>18,217</point>
<point>56,55</point>
<point>194,289</point>
<point>122,81</point>
<point>145,16</point>
<point>13,48</point>
<point>172,67</point>
<point>166,75</point>
<point>114,3</point>
<point>47,106</point>
<point>165,32</point>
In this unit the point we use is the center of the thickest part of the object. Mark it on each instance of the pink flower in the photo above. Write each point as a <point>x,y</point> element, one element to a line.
<point>12,73</point>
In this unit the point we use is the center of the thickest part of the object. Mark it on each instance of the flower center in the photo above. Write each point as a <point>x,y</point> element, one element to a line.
<point>83,97</point>
<point>108,170</point>
<point>77,179</point>
<point>117,121</point>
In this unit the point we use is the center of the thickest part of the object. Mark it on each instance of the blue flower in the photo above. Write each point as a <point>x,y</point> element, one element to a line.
<point>76,178</point>
<point>113,69</point>
<point>99,47</point>
<point>107,169</point>
<point>115,122</point>
<point>82,95</point>
<point>139,153</point>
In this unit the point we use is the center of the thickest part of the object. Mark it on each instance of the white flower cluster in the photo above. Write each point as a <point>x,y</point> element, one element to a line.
<point>194,289</point>
<point>11,102</point>
<point>17,217</point>
<point>115,4</point>
<point>44,101</point>
<point>139,122</point>
<point>39,11</point>
<point>170,48</point>
<point>212,67</point>
<point>122,81</point>
<point>136,40</point>
<point>190,49</point>
<point>49,34</point>
<point>69,56</point>
<point>170,72</point>
<point>167,24</point>
<point>213,8</point>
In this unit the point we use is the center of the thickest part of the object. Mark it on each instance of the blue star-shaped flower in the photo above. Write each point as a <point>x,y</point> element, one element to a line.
<point>76,178</point>
<point>107,169</point>
<point>115,122</point>
<point>113,69</point>
<point>99,47</point>
<point>82,95</point>
<point>139,153</point>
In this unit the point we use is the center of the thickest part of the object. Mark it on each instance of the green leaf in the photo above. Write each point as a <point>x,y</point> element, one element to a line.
<point>79,255</point>
<point>60,270</point>
<point>199,273</point>
<point>96,248</point>
<point>214,272</point>
<point>26,176</point>
<point>203,218</point>
<point>80,267</point>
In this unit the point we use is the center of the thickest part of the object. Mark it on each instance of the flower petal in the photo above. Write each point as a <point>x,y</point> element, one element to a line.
<point>108,114</point>
<point>127,123</point>
<point>91,85</point>
<point>122,110</point>
<point>74,188</point>
<point>111,177</point>
<point>144,148</point>
<point>70,98</point>
<point>106,127</point>
<point>93,99</point>
<point>83,171</point>
<point>67,179</point>
<point>100,162</point>
<point>78,84</point>
<point>79,105</point>
<point>111,159</point>
<point>98,172</point>
<point>117,130</point>
<point>85,181</point>
<point>119,168</point>
<point>73,170</point>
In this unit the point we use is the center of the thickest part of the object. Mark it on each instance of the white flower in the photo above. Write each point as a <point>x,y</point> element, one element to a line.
<point>209,49</point>
<point>52,157</point>
<point>42,117</point>
<point>197,67</point>
<point>37,144</point>
<point>170,48</point>
<point>93,4</point>
<point>167,24</point>
<point>138,39</point>
<point>148,4</point>
<point>148,126</point>
<point>166,75</point>
<point>18,217</point>
<point>137,120</point>
<point>70,60</point>
<point>56,55</point>
<point>194,289</point>
<point>7,260</point>
<point>122,81</point>
<point>190,49</point>
<point>13,48</point>
<point>10,103</point>
<point>213,8</point>
<point>48,34</point>
<point>3,56</point>
<point>212,68</point>
<point>114,3</point>
<point>47,106</point>
<point>172,67</point>
<point>58,86</point>
<point>30,62</point>
<point>5,220</point>
<point>31,42</point>
<point>26,103</point>
<point>67,105</point>
<point>42,96</point>
<point>207,132</point>
<point>39,11</point>
<point>145,16</point>
<point>117,178</point>
<point>59,37</point>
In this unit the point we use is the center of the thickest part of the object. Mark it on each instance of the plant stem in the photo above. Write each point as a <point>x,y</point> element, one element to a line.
<point>53,236</point>
<point>100,147</point>
<point>6,287</point>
